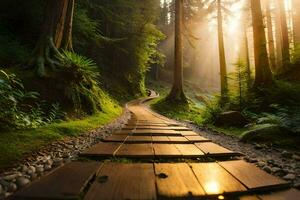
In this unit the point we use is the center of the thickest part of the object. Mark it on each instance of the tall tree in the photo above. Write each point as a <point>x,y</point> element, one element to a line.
<point>285,35</point>
<point>177,93</point>
<point>296,21</point>
<point>56,33</point>
<point>263,75</point>
<point>223,70</point>
<point>270,36</point>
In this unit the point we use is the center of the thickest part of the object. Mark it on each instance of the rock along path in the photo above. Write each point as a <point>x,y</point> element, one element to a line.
<point>154,157</point>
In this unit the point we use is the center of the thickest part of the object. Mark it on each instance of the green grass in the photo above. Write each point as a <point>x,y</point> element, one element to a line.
<point>16,145</point>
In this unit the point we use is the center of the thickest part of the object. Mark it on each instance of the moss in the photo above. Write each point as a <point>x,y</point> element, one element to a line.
<point>15,145</point>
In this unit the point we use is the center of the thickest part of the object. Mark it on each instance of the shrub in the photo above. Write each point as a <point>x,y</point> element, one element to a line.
<point>80,76</point>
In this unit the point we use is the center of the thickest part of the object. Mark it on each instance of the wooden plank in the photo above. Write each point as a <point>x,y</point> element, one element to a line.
<point>123,132</point>
<point>66,182</point>
<point>215,180</point>
<point>251,176</point>
<point>144,150</point>
<point>249,197</point>
<point>196,138</point>
<point>188,133</point>
<point>145,132</point>
<point>123,181</point>
<point>105,149</point>
<point>189,150</point>
<point>178,139</point>
<point>176,181</point>
<point>291,194</point>
<point>139,139</point>
<point>160,139</point>
<point>213,149</point>
<point>166,151</point>
<point>115,138</point>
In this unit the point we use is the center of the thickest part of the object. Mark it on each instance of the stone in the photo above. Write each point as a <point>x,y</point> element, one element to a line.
<point>12,187</point>
<point>286,154</point>
<point>266,133</point>
<point>31,169</point>
<point>267,169</point>
<point>39,169</point>
<point>261,164</point>
<point>231,118</point>
<point>11,177</point>
<point>57,162</point>
<point>276,169</point>
<point>289,177</point>
<point>296,157</point>
<point>47,167</point>
<point>22,181</point>
<point>24,168</point>
<point>33,176</point>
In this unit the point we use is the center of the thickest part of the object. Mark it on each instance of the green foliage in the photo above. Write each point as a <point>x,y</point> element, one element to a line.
<point>20,108</point>
<point>80,76</point>
<point>12,103</point>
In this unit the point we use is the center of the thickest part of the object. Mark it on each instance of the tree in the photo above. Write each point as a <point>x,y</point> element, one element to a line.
<point>263,75</point>
<point>270,36</point>
<point>285,35</point>
<point>223,70</point>
<point>296,21</point>
<point>56,33</point>
<point>177,93</point>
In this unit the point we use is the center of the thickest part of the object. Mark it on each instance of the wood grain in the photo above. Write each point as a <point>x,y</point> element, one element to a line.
<point>176,181</point>
<point>143,150</point>
<point>124,181</point>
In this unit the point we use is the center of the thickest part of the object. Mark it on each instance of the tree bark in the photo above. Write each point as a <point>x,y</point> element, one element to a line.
<point>222,58</point>
<point>285,36</point>
<point>270,37</point>
<point>263,75</point>
<point>177,93</point>
<point>296,21</point>
<point>56,31</point>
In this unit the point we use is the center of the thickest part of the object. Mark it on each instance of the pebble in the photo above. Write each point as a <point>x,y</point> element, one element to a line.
<point>286,154</point>
<point>33,176</point>
<point>12,187</point>
<point>22,181</point>
<point>47,167</point>
<point>261,164</point>
<point>24,168</point>
<point>40,169</point>
<point>31,169</point>
<point>267,169</point>
<point>296,157</point>
<point>57,162</point>
<point>11,177</point>
<point>276,169</point>
<point>289,177</point>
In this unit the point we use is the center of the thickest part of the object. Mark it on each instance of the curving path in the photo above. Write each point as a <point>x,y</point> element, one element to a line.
<point>154,157</point>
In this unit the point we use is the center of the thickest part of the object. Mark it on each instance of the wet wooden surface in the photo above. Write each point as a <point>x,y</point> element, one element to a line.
<point>66,182</point>
<point>123,181</point>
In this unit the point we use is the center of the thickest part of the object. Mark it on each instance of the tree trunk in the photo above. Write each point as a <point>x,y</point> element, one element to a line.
<point>177,93</point>
<point>223,70</point>
<point>56,33</point>
<point>285,36</point>
<point>263,75</point>
<point>270,37</point>
<point>278,38</point>
<point>296,21</point>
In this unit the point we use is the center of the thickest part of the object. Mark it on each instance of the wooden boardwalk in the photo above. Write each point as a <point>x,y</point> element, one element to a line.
<point>154,157</point>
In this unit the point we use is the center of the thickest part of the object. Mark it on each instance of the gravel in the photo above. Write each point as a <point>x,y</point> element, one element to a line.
<point>56,154</point>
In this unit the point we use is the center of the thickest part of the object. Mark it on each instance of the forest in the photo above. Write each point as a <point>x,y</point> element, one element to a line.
<point>71,72</point>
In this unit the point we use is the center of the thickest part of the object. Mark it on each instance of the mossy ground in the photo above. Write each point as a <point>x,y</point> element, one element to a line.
<point>15,145</point>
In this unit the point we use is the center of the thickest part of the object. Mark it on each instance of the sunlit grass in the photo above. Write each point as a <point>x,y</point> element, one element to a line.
<point>15,145</point>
